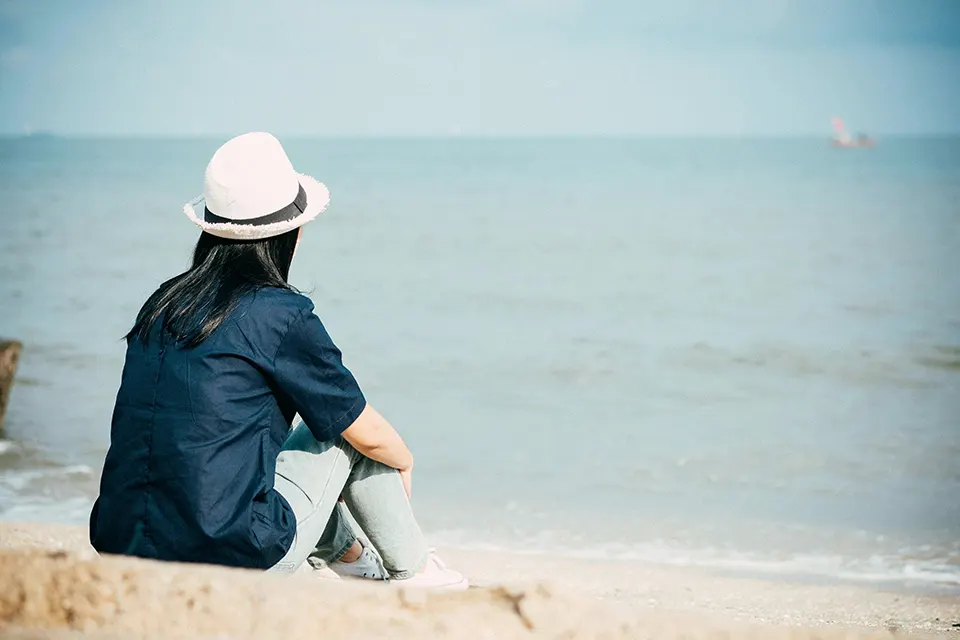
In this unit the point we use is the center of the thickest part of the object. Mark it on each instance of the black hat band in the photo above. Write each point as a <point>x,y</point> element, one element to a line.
<point>288,212</point>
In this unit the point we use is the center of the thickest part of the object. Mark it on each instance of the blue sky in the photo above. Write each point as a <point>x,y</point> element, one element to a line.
<point>499,67</point>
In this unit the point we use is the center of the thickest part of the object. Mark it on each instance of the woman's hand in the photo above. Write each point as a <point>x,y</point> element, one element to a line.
<point>407,476</point>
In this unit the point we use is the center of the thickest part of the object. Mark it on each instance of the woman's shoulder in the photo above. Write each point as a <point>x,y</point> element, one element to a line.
<point>281,298</point>
<point>275,306</point>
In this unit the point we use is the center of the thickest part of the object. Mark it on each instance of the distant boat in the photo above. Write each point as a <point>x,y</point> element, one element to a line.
<point>843,140</point>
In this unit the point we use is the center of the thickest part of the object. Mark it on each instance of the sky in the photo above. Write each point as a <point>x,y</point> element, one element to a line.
<point>481,68</point>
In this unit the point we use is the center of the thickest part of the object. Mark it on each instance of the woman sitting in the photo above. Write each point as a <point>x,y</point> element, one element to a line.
<point>203,465</point>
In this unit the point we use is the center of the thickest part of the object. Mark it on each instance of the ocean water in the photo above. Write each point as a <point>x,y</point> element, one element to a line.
<point>737,354</point>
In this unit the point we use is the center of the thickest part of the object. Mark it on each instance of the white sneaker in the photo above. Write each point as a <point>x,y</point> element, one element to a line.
<point>367,566</point>
<point>434,575</point>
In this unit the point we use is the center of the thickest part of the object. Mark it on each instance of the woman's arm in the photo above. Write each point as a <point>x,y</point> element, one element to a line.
<point>374,437</point>
<point>309,370</point>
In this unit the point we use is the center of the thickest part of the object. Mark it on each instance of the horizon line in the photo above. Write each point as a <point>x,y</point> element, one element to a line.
<point>40,134</point>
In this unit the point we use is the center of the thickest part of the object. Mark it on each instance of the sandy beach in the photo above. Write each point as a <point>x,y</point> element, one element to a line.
<point>52,585</point>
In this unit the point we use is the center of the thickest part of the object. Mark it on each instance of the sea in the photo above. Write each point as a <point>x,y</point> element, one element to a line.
<point>735,354</point>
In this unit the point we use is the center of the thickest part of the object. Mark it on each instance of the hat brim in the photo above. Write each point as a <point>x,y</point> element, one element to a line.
<point>318,197</point>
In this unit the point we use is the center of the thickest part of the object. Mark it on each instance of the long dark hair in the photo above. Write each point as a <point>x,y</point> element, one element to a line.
<point>193,304</point>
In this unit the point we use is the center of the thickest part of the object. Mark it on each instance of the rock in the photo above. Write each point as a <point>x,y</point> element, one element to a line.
<point>9,355</point>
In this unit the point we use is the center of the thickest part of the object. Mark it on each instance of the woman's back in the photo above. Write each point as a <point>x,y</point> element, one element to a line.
<point>196,432</point>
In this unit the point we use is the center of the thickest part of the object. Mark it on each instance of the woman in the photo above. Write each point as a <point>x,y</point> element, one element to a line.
<point>202,465</point>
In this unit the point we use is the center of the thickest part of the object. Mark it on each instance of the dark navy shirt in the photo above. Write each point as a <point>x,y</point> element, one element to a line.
<point>196,433</point>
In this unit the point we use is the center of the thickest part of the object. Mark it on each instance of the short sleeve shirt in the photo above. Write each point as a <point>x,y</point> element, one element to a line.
<point>196,432</point>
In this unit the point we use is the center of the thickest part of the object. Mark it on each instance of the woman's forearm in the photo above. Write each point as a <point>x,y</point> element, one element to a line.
<point>374,437</point>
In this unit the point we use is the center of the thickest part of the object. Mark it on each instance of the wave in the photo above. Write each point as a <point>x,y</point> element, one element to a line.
<point>934,574</point>
<point>6,446</point>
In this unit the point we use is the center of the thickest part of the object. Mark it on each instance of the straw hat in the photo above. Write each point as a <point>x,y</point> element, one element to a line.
<point>251,191</point>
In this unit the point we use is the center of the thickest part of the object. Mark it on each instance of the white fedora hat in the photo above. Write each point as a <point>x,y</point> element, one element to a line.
<point>251,191</point>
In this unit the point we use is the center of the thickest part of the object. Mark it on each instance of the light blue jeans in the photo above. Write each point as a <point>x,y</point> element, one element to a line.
<point>312,475</point>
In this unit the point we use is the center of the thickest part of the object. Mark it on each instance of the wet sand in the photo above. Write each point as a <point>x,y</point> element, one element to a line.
<point>52,585</point>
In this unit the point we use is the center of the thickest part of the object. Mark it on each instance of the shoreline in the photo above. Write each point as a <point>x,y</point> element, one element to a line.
<point>45,566</point>
<point>734,570</point>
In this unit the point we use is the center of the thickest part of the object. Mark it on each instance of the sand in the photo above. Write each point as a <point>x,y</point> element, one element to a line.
<point>52,585</point>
